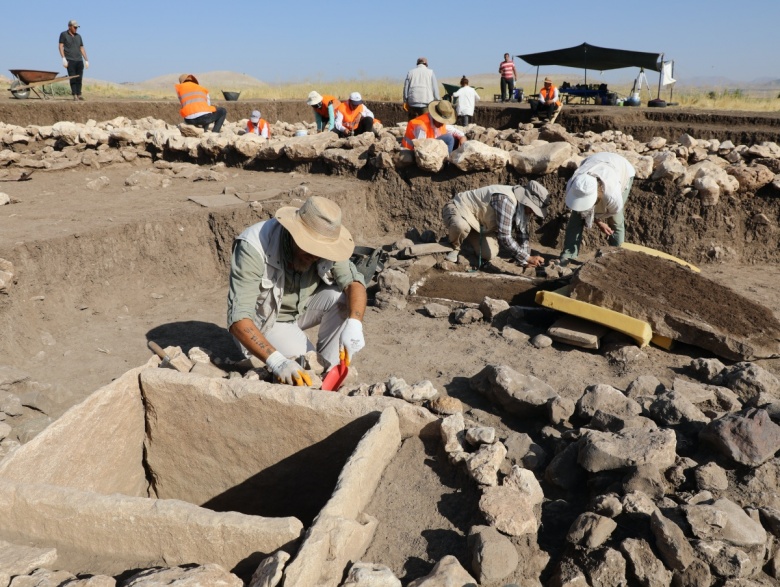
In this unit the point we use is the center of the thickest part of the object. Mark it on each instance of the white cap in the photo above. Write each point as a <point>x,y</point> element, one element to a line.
<point>582,192</point>
<point>355,97</point>
<point>313,99</point>
<point>255,117</point>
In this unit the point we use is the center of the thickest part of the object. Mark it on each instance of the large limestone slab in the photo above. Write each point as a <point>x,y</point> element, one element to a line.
<point>477,156</point>
<point>96,445</point>
<point>541,158</point>
<point>342,532</point>
<point>679,304</point>
<point>306,435</point>
<point>137,530</point>
<point>308,147</point>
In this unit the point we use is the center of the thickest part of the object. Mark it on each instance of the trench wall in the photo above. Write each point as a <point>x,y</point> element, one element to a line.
<point>643,123</point>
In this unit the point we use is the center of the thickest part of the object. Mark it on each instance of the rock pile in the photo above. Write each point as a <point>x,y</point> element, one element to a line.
<point>707,168</point>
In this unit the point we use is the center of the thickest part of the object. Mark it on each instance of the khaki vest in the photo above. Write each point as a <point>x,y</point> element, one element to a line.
<point>474,206</point>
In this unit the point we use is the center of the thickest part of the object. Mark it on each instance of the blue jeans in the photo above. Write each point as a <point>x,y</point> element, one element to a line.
<point>573,238</point>
<point>507,83</point>
<point>449,140</point>
<point>76,68</point>
<point>217,117</point>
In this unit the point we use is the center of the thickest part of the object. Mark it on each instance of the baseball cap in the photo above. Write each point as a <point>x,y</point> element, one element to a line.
<point>581,192</point>
<point>355,97</point>
<point>255,117</point>
<point>73,23</point>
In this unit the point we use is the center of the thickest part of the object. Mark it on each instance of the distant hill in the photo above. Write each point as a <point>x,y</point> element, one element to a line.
<point>218,80</point>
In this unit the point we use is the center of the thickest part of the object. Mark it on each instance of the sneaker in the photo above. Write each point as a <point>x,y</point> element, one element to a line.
<point>75,97</point>
<point>452,256</point>
<point>80,97</point>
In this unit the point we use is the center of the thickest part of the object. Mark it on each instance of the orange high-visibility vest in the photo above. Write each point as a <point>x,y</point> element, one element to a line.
<point>551,92</point>
<point>193,99</point>
<point>326,100</point>
<point>351,118</point>
<point>260,126</point>
<point>431,130</point>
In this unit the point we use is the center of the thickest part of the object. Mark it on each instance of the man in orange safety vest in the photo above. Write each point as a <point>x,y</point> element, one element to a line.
<point>196,108</point>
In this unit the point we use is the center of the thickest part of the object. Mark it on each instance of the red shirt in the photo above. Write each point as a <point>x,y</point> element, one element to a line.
<point>507,69</point>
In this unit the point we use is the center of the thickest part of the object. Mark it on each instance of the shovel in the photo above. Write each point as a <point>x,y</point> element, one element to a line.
<point>337,374</point>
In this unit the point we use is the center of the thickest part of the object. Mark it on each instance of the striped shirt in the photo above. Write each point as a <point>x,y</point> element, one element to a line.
<point>507,69</point>
<point>505,213</point>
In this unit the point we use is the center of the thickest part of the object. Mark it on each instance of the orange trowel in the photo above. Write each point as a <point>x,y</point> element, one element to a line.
<point>337,374</point>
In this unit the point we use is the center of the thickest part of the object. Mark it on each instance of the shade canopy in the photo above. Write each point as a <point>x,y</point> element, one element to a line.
<point>587,56</point>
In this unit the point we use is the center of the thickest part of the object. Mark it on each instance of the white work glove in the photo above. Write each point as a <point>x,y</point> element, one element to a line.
<point>86,64</point>
<point>64,62</point>
<point>287,371</point>
<point>352,338</point>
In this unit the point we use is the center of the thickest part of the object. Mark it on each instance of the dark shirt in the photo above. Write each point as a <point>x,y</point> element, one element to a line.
<point>71,44</point>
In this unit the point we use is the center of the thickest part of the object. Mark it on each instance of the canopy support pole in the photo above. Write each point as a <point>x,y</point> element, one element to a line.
<point>536,81</point>
<point>660,76</point>
<point>671,90</point>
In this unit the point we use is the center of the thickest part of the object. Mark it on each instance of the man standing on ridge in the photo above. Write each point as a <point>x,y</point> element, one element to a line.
<point>508,78</point>
<point>74,57</point>
<point>196,108</point>
<point>420,88</point>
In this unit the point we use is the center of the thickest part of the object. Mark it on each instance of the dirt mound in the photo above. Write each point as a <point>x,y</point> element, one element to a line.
<point>679,304</point>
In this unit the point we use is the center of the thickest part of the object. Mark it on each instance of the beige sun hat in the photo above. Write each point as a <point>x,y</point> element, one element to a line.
<point>547,80</point>
<point>535,196</point>
<point>442,111</point>
<point>187,77</point>
<point>316,228</point>
<point>581,192</point>
<point>314,98</point>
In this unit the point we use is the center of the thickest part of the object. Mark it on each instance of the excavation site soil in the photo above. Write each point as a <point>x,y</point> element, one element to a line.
<point>98,273</point>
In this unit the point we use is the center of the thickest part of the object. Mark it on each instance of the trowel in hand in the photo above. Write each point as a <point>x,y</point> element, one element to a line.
<point>337,374</point>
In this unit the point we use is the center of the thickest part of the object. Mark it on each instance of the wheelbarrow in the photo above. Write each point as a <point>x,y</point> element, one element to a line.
<point>450,89</point>
<point>29,79</point>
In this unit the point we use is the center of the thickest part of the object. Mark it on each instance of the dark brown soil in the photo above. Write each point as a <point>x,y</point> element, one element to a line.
<point>680,304</point>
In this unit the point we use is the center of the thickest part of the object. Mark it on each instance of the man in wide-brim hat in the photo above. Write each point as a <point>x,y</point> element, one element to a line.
<point>486,218</point>
<point>435,124</point>
<point>288,274</point>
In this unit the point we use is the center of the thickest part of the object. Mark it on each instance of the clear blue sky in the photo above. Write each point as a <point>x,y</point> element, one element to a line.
<point>300,40</point>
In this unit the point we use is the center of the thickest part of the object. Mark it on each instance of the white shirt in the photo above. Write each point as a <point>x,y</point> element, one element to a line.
<point>614,172</point>
<point>467,98</point>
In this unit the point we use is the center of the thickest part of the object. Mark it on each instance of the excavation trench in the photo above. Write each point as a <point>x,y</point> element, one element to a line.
<point>240,469</point>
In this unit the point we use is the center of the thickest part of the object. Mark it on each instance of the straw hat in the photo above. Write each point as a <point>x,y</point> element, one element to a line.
<point>313,99</point>
<point>547,80</point>
<point>187,77</point>
<point>316,228</point>
<point>535,196</point>
<point>442,111</point>
<point>581,192</point>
